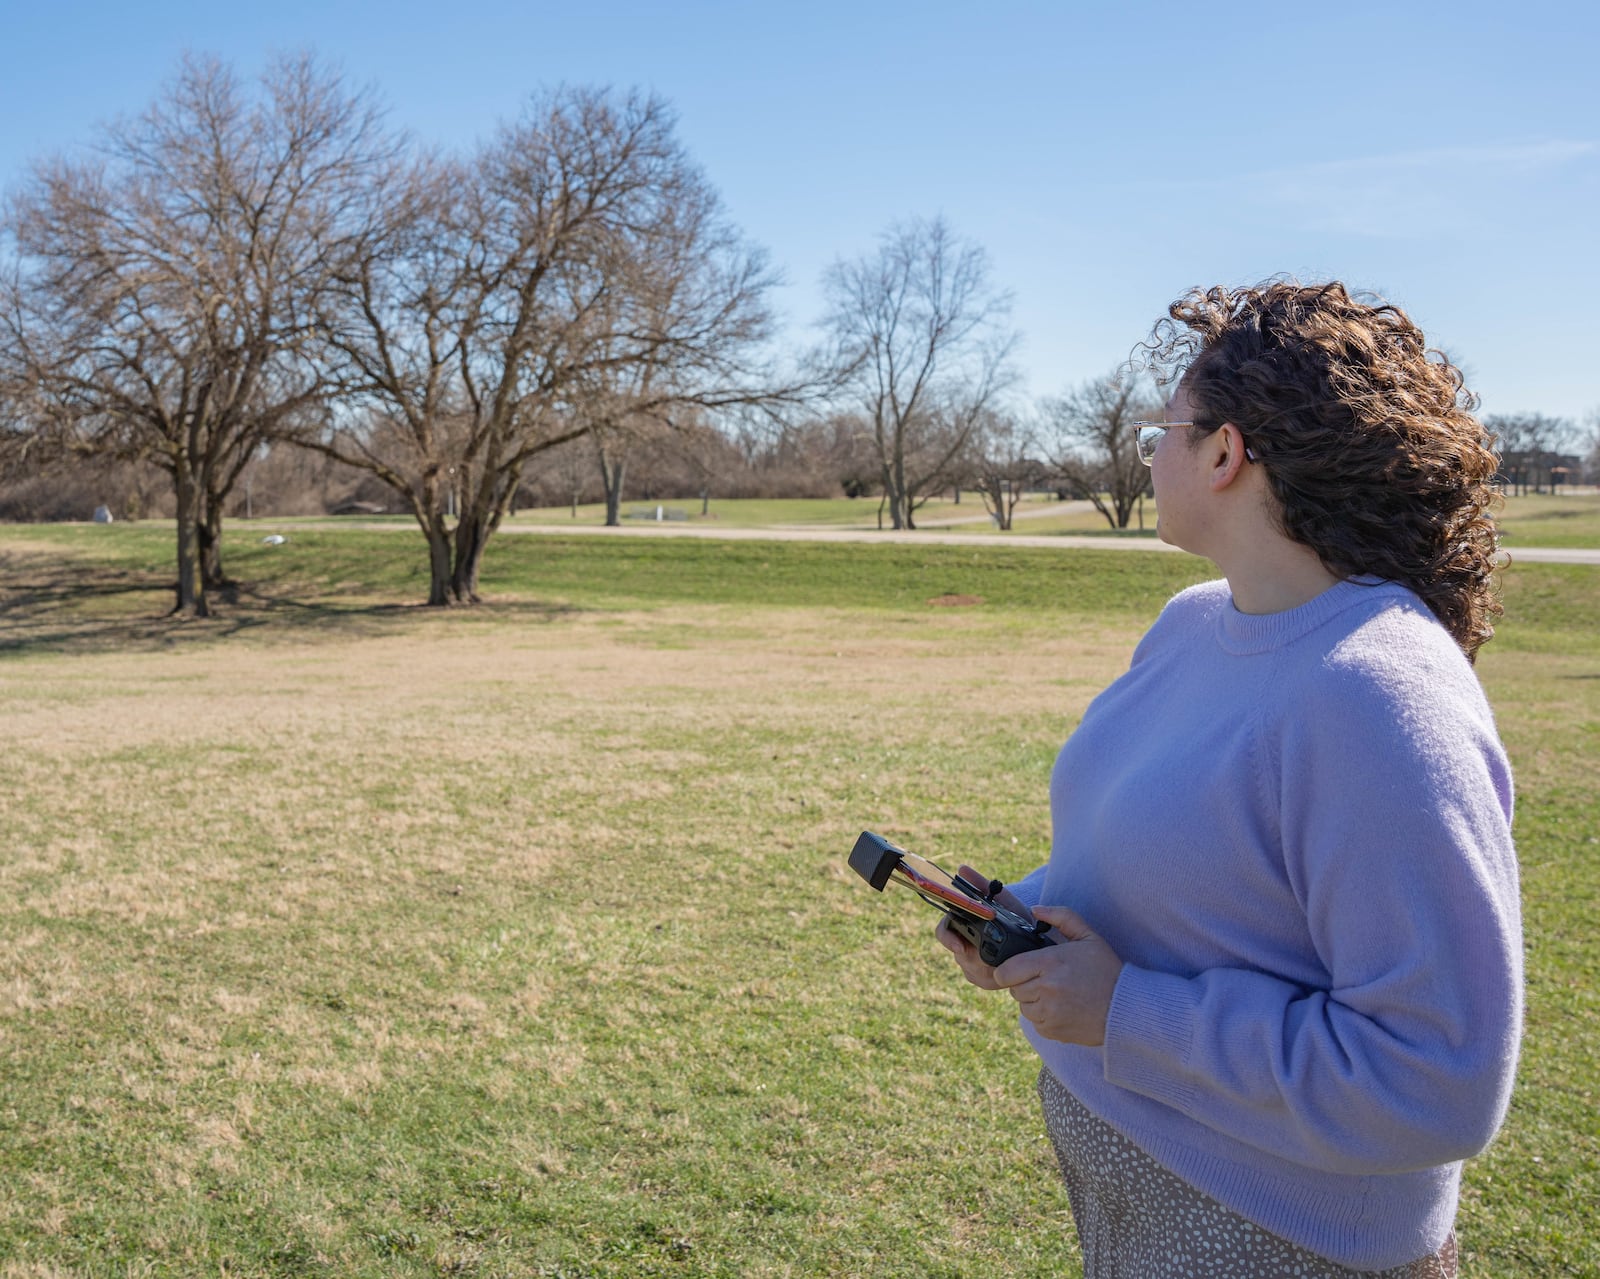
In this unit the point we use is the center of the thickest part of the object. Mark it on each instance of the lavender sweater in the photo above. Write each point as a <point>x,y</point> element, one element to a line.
<point>1295,829</point>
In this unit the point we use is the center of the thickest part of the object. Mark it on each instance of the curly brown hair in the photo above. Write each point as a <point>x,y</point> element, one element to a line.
<point>1367,436</point>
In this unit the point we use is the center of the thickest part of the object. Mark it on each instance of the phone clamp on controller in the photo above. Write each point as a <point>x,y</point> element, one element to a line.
<point>998,933</point>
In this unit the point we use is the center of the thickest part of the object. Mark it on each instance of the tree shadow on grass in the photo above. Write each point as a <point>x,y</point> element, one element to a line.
<point>51,605</point>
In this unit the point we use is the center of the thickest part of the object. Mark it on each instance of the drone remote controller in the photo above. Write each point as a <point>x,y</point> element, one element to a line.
<point>997,933</point>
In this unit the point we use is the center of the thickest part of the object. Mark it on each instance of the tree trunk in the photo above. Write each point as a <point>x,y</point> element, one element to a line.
<point>439,586</point>
<point>191,592</point>
<point>472,535</point>
<point>209,531</point>
<point>991,502</point>
<point>893,498</point>
<point>611,476</point>
<point>902,489</point>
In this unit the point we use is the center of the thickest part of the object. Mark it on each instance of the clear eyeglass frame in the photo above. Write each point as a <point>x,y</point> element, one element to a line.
<point>1146,435</point>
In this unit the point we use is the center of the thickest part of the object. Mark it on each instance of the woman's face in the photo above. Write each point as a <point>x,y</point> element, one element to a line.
<point>1175,475</point>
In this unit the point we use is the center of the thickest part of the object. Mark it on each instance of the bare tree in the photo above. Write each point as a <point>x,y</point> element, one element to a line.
<point>394,333</point>
<point>1530,445</point>
<point>616,436</point>
<point>618,404</point>
<point>1000,465</point>
<point>1087,439</point>
<point>578,254</point>
<point>921,332</point>
<point>163,296</point>
<point>706,451</point>
<point>681,454</point>
<point>566,472</point>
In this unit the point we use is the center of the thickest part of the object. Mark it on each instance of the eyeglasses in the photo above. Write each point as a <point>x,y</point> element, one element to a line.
<point>1146,435</point>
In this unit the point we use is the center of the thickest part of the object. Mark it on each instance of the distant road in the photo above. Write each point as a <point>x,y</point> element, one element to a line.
<point>916,537</point>
<point>792,533</point>
<point>1554,555</point>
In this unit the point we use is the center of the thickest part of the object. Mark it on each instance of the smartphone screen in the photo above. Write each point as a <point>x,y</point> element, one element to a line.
<point>937,885</point>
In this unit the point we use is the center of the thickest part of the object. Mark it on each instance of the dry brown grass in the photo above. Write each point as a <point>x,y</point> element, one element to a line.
<point>144,789</point>
<point>400,939</point>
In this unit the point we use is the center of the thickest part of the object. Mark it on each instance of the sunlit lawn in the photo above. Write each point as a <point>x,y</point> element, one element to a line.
<point>1038,513</point>
<point>1534,519</point>
<point>342,937</point>
<point>754,512</point>
<point>1543,519</point>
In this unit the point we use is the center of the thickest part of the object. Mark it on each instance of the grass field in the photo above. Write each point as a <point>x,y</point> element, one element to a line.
<point>1037,514</point>
<point>342,937</point>
<point>1533,519</point>
<point>1544,519</point>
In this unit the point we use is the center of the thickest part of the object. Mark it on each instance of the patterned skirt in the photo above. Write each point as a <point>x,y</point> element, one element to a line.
<point>1136,1220</point>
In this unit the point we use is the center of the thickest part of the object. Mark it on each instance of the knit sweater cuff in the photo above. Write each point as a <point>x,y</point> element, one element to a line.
<point>1148,1032</point>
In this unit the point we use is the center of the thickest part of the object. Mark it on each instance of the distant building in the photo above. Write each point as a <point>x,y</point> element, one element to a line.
<point>1537,470</point>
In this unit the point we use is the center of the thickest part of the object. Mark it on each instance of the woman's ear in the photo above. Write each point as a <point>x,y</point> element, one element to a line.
<point>1229,459</point>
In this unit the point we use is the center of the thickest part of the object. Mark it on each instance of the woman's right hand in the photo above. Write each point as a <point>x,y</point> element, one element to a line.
<point>966,954</point>
<point>977,972</point>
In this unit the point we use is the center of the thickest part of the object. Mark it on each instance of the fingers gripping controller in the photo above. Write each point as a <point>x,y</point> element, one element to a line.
<point>996,932</point>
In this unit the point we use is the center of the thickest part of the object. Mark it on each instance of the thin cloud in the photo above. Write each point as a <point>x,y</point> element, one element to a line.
<point>1447,189</point>
<point>1450,191</point>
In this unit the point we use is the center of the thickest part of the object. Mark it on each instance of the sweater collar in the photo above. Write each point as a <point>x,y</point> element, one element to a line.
<point>1261,632</point>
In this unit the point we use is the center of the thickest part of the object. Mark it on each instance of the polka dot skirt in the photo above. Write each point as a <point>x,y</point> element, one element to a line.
<point>1136,1220</point>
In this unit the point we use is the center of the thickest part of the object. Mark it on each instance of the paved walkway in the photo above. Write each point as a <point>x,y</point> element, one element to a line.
<point>1553,555</point>
<point>916,537</point>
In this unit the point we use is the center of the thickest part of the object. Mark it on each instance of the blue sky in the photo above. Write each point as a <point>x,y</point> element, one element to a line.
<point>1107,156</point>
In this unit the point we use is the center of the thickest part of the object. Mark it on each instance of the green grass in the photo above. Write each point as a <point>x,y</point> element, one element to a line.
<point>343,937</point>
<point>728,513</point>
<point>1542,519</point>
<point>1038,513</point>
<point>1572,520</point>
<point>1534,519</point>
<point>330,569</point>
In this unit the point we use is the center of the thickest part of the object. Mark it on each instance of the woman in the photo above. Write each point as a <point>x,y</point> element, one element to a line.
<point>1288,1000</point>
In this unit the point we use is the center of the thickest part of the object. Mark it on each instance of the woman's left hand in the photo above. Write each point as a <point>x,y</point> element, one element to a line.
<point>1064,990</point>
